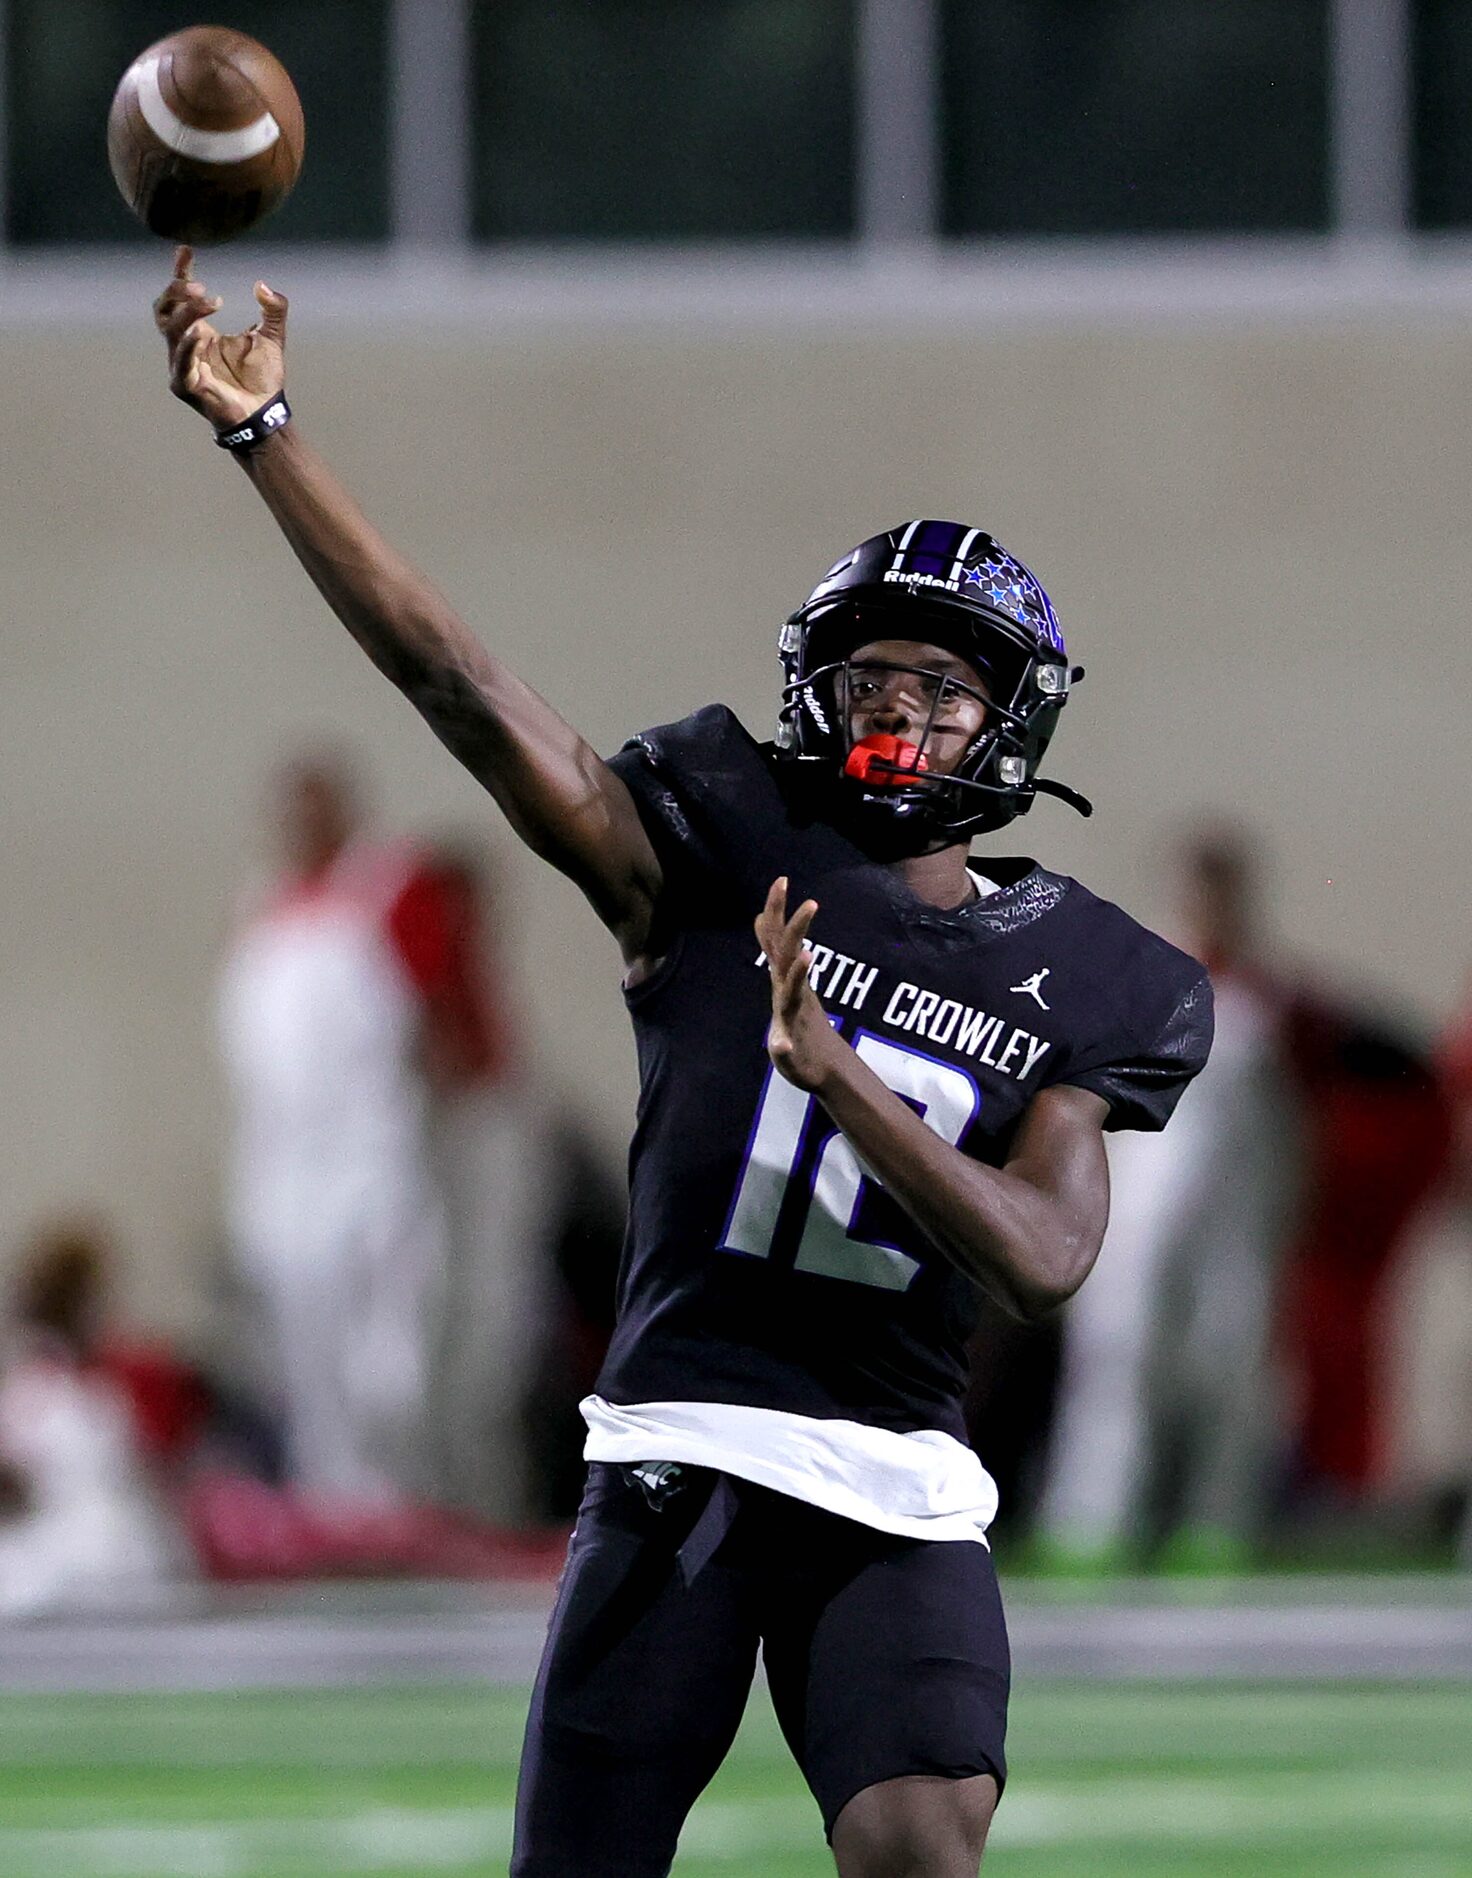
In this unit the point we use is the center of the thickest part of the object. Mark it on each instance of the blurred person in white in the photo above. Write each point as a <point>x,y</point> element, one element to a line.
<point>1166,1415</point>
<point>1432,1449</point>
<point>82,1523</point>
<point>346,999</point>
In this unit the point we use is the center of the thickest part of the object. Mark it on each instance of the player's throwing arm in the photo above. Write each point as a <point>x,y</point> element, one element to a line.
<point>1028,1232</point>
<point>553,787</point>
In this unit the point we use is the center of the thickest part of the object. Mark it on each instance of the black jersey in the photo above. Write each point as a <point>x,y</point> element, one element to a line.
<point>763,1265</point>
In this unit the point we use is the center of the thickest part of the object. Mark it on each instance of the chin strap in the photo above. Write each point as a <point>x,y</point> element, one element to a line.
<point>1044,786</point>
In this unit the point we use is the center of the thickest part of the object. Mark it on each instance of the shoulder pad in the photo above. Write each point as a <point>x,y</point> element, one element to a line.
<point>707,789</point>
<point>1154,1018</point>
<point>702,751</point>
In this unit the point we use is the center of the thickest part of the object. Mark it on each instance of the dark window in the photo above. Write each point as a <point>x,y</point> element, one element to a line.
<point>65,59</point>
<point>1442,66</point>
<point>663,119</point>
<point>1074,117</point>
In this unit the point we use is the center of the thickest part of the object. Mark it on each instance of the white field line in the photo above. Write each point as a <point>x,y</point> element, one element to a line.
<point>1148,1811</point>
<point>1304,1641</point>
<point>484,1727</point>
<point>361,1842</point>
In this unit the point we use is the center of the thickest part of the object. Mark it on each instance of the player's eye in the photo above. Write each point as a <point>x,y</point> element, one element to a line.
<point>956,696</point>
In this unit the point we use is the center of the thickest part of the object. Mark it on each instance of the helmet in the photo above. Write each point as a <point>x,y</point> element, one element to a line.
<point>954,587</point>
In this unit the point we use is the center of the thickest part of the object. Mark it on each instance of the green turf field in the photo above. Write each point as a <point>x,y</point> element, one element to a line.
<point>1202,1781</point>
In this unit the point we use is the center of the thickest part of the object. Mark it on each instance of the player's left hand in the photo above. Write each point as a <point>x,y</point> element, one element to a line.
<point>801,1042</point>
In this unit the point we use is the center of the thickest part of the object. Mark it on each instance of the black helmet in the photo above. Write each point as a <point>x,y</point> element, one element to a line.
<point>954,587</point>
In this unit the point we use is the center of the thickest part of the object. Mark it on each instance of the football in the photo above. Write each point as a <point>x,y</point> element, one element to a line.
<point>205,135</point>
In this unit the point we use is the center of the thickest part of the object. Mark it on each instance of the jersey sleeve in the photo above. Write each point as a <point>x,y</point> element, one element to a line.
<point>688,858</point>
<point>685,857</point>
<point>1142,1086</point>
<point>710,808</point>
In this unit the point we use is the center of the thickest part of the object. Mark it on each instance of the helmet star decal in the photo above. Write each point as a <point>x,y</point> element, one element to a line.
<point>1012,589</point>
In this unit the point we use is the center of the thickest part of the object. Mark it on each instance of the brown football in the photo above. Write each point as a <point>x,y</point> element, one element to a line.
<point>205,135</point>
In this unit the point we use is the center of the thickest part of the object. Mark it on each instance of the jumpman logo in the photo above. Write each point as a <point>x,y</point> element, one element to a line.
<point>1031,987</point>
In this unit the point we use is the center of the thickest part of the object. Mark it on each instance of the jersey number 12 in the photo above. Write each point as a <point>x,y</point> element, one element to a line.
<point>778,1155</point>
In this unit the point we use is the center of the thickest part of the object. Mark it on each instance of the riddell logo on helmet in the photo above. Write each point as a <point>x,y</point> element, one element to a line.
<point>813,705</point>
<point>922,580</point>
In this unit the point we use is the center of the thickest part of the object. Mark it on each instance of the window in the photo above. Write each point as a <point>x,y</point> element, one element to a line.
<point>1073,117</point>
<point>1441,55</point>
<point>66,57</point>
<point>663,119</point>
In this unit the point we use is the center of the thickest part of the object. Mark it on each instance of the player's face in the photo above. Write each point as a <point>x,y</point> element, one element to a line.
<point>898,686</point>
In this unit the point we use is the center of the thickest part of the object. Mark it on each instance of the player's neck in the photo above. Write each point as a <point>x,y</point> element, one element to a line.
<point>940,879</point>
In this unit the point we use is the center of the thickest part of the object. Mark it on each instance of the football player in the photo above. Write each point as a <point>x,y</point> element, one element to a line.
<point>889,1100</point>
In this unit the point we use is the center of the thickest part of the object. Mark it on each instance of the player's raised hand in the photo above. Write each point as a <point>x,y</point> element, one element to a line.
<point>226,377</point>
<point>800,1041</point>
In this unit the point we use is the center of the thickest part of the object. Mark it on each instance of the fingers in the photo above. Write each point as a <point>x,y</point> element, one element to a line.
<point>769,920</point>
<point>184,313</point>
<point>802,919</point>
<point>182,286</point>
<point>179,305</point>
<point>185,369</point>
<point>273,313</point>
<point>790,975</point>
<point>166,302</point>
<point>789,985</point>
<point>784,940</point>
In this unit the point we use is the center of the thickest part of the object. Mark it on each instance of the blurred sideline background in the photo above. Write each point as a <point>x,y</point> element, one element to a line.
<point>624,317</point>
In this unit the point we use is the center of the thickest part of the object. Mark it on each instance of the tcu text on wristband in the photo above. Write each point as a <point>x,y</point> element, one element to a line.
<point>257,427</point>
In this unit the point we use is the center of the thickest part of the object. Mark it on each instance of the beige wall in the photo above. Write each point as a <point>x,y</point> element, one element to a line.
<point>1258,540</point>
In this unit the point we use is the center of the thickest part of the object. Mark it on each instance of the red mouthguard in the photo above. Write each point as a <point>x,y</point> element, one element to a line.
<point>883,762</point>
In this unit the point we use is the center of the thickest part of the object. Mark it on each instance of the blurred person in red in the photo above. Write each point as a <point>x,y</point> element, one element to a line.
<point>1456,1064</point>
<point>88,1426</point>
<point>349,998</point>
<point>1164,1427</point>
<point>1341,1157</point>
<point>1431,1460</point>
<point>579,1246</point>
<point>1379,1138</point>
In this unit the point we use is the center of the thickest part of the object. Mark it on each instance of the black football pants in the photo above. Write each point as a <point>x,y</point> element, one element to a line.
<point>884,1656</point>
